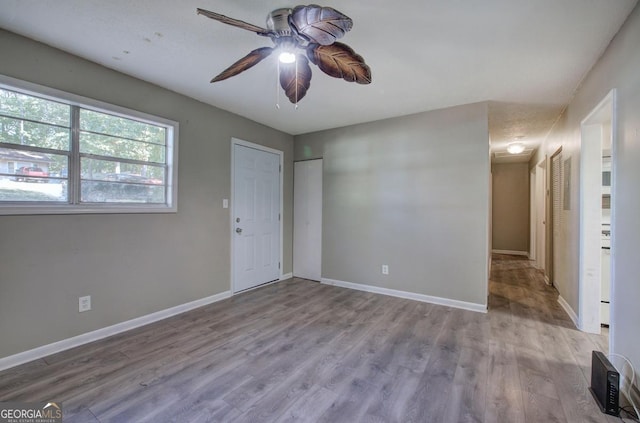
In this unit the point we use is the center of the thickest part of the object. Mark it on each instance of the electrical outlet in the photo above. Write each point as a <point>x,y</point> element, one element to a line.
<point>385,269</point>
<point>84,303</point>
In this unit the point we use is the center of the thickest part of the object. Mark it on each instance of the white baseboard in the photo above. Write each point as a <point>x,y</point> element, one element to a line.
<point>566,307</point>
<point>286,276</point>
<point>481,308</point>
<point>85,338</point>
<point>511,252</point>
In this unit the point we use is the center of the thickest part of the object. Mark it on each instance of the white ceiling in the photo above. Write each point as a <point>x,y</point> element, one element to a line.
<point>524,56</point>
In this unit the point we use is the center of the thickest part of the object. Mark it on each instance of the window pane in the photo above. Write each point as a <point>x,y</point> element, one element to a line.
<point>28,176</point>
<point>100,170</point>
<point>107,181</point>
<point>16,131</point>
<point>34,108</point>
<point>115,192</point>
<point>105,145</point>
<point>120,127</point>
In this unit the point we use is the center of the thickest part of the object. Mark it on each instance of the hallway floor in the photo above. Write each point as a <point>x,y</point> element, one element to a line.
<point>547,360</point>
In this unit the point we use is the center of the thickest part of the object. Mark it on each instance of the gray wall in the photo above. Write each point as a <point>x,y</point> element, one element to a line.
<point>410,192</point>
<point>618,68</point>
<point>510,219</point>
<point>131,265</point>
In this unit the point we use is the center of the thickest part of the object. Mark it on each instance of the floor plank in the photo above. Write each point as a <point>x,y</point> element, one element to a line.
<point>309,406</point>
<point>504,396</point>
<point>390,401</point>
<point>469,391</point>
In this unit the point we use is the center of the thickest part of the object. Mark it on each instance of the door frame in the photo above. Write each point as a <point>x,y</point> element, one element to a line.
<point>541,217</point>
<point>532,214</point>
<point>589,287</point>
<point>248,144</point>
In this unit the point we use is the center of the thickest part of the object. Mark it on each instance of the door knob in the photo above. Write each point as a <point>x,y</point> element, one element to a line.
<point>238,230</point>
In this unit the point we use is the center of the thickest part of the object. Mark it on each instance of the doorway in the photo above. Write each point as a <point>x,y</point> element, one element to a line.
<point>256,211</point>
<point>594,285</point>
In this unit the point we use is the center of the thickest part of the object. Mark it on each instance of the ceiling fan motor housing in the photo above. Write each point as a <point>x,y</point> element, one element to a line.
<point>278,21</point>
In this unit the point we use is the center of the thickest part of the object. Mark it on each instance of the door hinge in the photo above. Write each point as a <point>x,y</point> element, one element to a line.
<point>278,265</point>
<point>280,168</point>
<point>278,217</point>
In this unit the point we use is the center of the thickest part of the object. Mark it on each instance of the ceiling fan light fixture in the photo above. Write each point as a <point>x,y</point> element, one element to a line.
<point>302,35</point>
<point>515,148</point>
<point>287,57</point>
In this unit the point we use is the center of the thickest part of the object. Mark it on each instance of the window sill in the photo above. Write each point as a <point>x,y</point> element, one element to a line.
<point>40,209</point>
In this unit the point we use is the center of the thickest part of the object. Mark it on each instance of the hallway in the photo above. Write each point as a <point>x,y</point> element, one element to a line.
<point>547,360</point>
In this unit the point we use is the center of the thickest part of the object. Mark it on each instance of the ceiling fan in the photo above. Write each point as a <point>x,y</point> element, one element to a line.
<point>302,34</point>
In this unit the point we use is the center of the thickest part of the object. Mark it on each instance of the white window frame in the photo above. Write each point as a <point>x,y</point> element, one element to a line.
<point>172,128</point>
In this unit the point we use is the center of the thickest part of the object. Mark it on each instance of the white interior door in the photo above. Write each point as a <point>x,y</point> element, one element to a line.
<point>307,220</point>
<point>256,217</point>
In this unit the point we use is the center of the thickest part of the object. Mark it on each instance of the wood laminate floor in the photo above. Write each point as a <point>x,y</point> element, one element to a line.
<point>301,351</point>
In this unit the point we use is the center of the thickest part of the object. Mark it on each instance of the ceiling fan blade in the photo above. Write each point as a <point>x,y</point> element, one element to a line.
<point>340,61</point>
<point>321,25</point>
<point>248,61</point>
<point>295,78</point>
<point>235,22</point>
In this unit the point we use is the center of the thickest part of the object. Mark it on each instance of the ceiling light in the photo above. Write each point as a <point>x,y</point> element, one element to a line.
<point>515,148</point>
<point>287,57</point>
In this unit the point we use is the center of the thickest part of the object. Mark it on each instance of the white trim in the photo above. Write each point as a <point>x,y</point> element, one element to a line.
<point>511,252</point>
<point>481,308</point>
<point>532,214</point>
<point>234,142</point>
<point>286,276</point>
<point>567,308</point>
<point>546,279</point>
<point>85,338</point>
<point>607,101</point>
<point>249,144</point>
<point>589,271</point>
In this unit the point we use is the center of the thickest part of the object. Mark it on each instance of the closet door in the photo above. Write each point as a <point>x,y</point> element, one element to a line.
<point>307,219</point>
